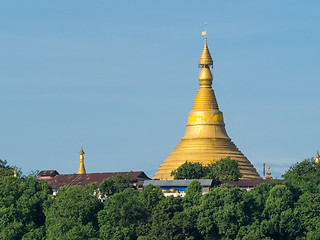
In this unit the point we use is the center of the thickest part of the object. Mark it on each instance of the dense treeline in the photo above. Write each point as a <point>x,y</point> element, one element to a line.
<point>224,169</point>
<point>271,211</point>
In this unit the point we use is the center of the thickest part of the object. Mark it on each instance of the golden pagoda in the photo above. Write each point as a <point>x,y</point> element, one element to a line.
<point>81,169</point>
<point>205,139</point>
<point>317,157</point>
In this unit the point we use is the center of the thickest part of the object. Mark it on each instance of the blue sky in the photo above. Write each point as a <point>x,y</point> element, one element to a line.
<point>121,77</point>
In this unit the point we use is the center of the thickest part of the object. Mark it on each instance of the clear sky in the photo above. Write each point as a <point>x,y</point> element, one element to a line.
<point>121,76</point>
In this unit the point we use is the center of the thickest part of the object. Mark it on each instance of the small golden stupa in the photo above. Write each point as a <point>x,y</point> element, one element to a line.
<point>15,173</point>
<point>81,169</point>
<point>317,156</point>
<point>205,139</point>
<point>268,174</point>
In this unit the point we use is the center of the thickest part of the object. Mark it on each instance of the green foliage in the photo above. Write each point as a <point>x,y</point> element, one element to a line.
<point>73,214</point>
<point>5,169</point>
<point>224,169</point>
<point>314,235</point>
<point>271,211</point>
<point>121,216</point>
<point>189,170</point>
<point>35,234</point>
<point>150,196</point>
<point>279,221</point>
<point>262,191</point>
<point>193,194</point>
<point>21,212</point>
<point>115,184</point>
<point>168,221</point>
<point>304,176</point>
<point>250,232</point>
<point>223,211</point>
<point>279,200</point>
<point>307,210</point>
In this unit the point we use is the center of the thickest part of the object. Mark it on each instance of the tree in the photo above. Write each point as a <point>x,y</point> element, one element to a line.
<point>224,169</point>
<point>122,215</point>
<point>223,211</point>
<point>193,194</point>
<point>22,202</point>
<point>168,221</point>
<point>150,196</point>
<point>73,214</point>
<point>189,170</point>
<point>307,210</point>
<point>115,184</point>
<point>7,170</point>
<point>279,221</point>
<point>262,192</point>
<point>303,176</point>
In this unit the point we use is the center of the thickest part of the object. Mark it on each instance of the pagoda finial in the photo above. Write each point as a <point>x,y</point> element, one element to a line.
<point>15,174</point>
<point>81,169</point>
<point>81,151</point>
<point>268,174</point>
<point>205,30</point>
<point>205,58</point>
<point>317,156</point>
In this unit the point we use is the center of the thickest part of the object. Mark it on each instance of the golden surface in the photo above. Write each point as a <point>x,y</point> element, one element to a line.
<point>317,157</point>
<point>205,58</point>
<point>205,139</point>
<point>15,171</point>
<point>81,169</point>
<point>268,174</point>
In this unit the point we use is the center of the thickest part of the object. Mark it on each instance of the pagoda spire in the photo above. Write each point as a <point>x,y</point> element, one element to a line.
<point>268,174</point>
<point>81,169</point>
<point>205,139</point>
<point>15,174</point>
<point>205,59</point>
<point>205,98</point>
<point>317,156</point>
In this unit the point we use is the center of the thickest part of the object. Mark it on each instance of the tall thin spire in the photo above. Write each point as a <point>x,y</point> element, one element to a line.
<point>317,156</point>
<point>81,169</point>
<point>205,59</point>
<point>15,174</point>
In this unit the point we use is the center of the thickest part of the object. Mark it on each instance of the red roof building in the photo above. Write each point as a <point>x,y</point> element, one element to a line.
<point>56,180</point>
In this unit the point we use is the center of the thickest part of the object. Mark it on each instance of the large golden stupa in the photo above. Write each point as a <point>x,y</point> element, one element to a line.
<point>205,139</point>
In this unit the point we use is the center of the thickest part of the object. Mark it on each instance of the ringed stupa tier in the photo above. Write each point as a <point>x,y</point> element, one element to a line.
<point>205,140</point>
